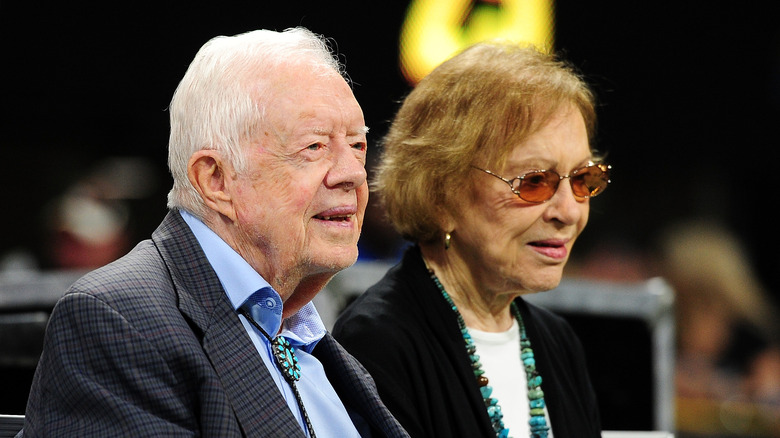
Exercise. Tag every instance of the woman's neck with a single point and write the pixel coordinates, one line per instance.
(482, 308)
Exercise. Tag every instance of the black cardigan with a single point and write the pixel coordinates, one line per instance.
(406, 335)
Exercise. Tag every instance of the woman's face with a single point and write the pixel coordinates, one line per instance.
(512, 246)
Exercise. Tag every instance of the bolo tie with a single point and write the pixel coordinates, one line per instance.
(284, 355)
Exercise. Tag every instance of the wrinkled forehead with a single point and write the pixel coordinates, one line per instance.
(288, 76)
(302, 101)
(514, 142)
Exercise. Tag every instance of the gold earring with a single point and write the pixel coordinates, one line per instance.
(447, 240)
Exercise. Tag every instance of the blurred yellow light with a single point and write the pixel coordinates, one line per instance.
(435, 30)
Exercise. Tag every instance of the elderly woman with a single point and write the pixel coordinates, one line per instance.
(488, 169)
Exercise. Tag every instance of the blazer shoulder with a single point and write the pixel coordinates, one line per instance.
(142, 269)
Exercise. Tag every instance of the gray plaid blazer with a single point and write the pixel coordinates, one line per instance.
(150, 346)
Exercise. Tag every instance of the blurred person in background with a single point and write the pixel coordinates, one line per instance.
(728, 335)
(85, 232)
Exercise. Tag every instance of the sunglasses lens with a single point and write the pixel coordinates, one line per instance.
(538, 186)
(590, 181)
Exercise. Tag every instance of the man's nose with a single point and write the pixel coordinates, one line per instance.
(349, 169)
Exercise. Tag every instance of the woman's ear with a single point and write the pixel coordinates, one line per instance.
(209, 174)
(445, 220)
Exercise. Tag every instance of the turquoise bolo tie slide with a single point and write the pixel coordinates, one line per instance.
(285, 358)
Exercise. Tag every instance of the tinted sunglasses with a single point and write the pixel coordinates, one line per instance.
(539, 186)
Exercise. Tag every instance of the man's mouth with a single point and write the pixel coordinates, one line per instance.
(337, 214)
(336, 218)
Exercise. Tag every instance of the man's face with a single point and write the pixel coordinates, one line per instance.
(300, 204)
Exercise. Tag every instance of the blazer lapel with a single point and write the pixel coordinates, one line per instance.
(356, 388)
(258, 406)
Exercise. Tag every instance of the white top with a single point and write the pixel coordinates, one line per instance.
(499, 354)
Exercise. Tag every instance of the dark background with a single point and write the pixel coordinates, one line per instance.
(689, 103)
(689, 97)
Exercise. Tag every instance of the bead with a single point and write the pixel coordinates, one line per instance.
(537, 421)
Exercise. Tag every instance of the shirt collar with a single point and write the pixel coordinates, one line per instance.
(240, 281)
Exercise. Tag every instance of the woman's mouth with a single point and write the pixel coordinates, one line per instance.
(553, 248)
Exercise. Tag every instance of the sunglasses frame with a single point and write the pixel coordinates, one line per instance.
(605, 169)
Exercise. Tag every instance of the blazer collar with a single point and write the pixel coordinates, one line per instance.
(203, 301)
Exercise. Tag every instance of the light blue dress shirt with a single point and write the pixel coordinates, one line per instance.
(304, 329)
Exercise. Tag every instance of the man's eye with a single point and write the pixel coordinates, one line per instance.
(359, 146)
(314, 146)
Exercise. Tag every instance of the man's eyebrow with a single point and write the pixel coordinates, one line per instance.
(363, 130)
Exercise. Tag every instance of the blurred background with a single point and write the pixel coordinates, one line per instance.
(689, 107)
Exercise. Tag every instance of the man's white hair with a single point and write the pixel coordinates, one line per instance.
(218, 102)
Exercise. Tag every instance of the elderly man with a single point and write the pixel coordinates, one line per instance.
(208, 328)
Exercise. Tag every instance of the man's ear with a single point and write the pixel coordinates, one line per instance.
(210, 175)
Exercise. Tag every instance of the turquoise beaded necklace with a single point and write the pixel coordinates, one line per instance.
(537, 422)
